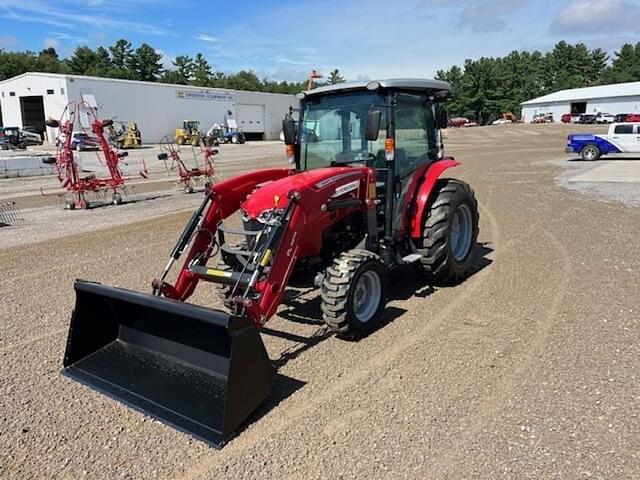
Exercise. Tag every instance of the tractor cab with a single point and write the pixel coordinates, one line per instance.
(391, 125)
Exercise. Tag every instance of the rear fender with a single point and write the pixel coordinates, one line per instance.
(434, 171)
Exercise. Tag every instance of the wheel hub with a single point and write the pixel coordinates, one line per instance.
(461, 232)
(366, 296)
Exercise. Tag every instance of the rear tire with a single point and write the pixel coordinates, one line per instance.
(450, 232)
(354, 293)
(590, 152)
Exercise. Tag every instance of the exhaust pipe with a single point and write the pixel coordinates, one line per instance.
(201, 370)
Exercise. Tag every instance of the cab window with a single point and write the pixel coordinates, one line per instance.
(623, 129)
(415, 133)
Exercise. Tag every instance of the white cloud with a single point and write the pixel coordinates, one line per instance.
(487, 16)
(593, 17)
(39, 11)
(208, 38)
(167, 60)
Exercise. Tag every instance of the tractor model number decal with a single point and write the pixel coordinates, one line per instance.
(330, 180)
(346, 188)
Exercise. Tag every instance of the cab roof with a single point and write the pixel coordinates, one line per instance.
(419, 85)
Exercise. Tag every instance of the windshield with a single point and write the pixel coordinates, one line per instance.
(332, 130)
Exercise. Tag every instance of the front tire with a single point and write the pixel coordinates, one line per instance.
(590, 152)
(450, 232)
(354, 293)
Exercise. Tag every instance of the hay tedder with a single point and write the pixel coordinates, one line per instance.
(188, 176)
(364, 195)
(72, 182)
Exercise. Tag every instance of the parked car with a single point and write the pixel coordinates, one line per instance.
(543, 118)
(31, 138)
(458, 121)
(633, 117)
(12, 138)
(501, 121)
(587, 118)
(605, 118)
(566, 118)
(621, 117)
(621, 138)
(84, 141)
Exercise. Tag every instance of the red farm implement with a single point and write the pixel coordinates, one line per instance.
(74, 185)
(189, 177)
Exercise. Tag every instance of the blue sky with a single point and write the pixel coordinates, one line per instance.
(285, 39)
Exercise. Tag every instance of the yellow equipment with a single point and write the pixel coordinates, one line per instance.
(189, 133)
(131, 137)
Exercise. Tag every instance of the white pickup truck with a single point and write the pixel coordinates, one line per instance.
(621, 138)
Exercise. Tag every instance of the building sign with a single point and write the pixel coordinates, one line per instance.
(204, 95)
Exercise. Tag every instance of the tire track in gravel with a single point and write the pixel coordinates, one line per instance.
(45, 336)
(307, 408)
(491, 404)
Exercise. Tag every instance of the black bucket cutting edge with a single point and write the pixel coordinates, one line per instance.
(200, 370)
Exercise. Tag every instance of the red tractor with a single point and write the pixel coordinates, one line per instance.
(364, 195)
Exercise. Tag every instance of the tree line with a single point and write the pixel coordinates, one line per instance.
(483, 89)
(486, 88)
(122, 60)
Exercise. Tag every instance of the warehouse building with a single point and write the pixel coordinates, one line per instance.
(31, 98)
(614, 99)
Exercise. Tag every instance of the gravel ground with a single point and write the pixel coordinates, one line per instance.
(528, 370)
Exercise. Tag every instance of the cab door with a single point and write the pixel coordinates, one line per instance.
(416, 145)
(627, 137)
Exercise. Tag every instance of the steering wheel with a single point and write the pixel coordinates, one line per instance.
(353, 156)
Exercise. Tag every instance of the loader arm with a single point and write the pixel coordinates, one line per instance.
(283, 260)
(222, 200)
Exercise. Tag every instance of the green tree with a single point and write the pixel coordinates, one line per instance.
(102, 65)
(121, 53)
(200, 72)
(625, 66)
(82, 61)
(335, 77)
(145, 64)
(245, 80)
(184, 68)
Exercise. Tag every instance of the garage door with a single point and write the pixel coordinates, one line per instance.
(250, 118)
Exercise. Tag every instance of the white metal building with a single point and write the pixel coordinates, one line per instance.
(29, 99)
(614, 99)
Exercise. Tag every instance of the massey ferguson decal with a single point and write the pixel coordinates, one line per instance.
(331, 180)
(346, 188)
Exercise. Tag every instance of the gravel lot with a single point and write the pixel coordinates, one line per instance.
(528, 370)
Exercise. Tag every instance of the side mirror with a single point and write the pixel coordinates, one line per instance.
(373, 125)
(442, 119)
(52, 123)
(289, 130)
(123, 154)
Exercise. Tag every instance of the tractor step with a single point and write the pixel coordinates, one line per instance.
(411, 258)
(232, 250)
(221, 276)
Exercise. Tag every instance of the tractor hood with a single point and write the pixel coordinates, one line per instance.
(324, 180)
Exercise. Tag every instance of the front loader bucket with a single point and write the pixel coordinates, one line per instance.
(201, 370)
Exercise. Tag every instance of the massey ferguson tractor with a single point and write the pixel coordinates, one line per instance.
(364, 194)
